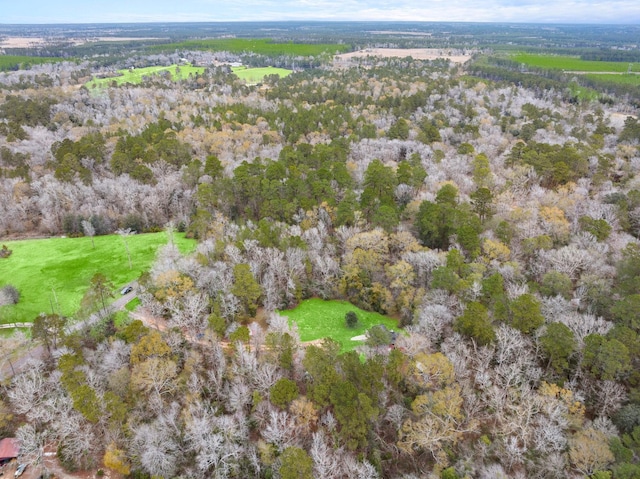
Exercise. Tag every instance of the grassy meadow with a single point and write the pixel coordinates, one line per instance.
(318, 319)
(15, 62)
(55, 272)
(255, 75)
(625, 79)
(261, 46)
(135, 75)
(567, 63)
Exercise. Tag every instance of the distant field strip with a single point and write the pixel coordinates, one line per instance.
(15, 62)
(135, 76)
(255, 75)
(574, 64)
(262, 46)
(625, 79)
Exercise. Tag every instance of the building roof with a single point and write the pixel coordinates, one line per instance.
(9, 448)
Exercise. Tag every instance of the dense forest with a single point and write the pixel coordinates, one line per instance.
(498, 221)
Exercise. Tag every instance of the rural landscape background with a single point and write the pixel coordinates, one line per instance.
(320, 250)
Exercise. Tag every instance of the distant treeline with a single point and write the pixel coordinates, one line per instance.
(500, 69)
(609, 55)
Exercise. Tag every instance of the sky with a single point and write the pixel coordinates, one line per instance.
(521, 11)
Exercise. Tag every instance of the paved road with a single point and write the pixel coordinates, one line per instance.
(12, 366)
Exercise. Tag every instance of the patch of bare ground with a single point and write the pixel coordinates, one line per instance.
(415, 53)
(33, 42)
(51, 464)
(23, 42)
(617, 119)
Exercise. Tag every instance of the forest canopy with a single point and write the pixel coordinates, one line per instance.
(491, 213)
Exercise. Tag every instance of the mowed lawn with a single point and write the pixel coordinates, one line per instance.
(255, 75)
(135, 75)
(319, 319)
(56, 272)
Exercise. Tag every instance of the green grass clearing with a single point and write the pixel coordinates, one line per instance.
(261, 46)
(256, 75)
(135, 75)
(582, 92)
(567, 63)
(132, 305)
(56, 271)
(121, 319)
(625, 79)
(319, 319)
(19, 62)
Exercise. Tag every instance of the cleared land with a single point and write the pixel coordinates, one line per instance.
(632, 79)
(14, 62)
(255, 75)
(135, 75)
(574, 64)
(416, 53)
(55, 273)
(319, 319)
(23, 42)
(261, 46)
(38, 42)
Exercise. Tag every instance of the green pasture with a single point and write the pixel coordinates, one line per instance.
(255, 75)
(17, 62)
(55, 273)
(567, 63)
(261, 46)
(624, 79)
(319, 319)
(135, 75)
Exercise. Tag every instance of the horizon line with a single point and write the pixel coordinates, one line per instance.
(164, 22)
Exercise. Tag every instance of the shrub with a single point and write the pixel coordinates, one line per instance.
(351, 319)
(379, 335)
(9, 295)
(5, 252)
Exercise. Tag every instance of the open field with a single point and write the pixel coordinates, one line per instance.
(13, 62)
(261, 46)
(255, 75)
(23, 42)
(416, 53)
(318, 319)
(55, 273)
(39, 42)
(136, 75)
(574, 64)
(624, 79)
